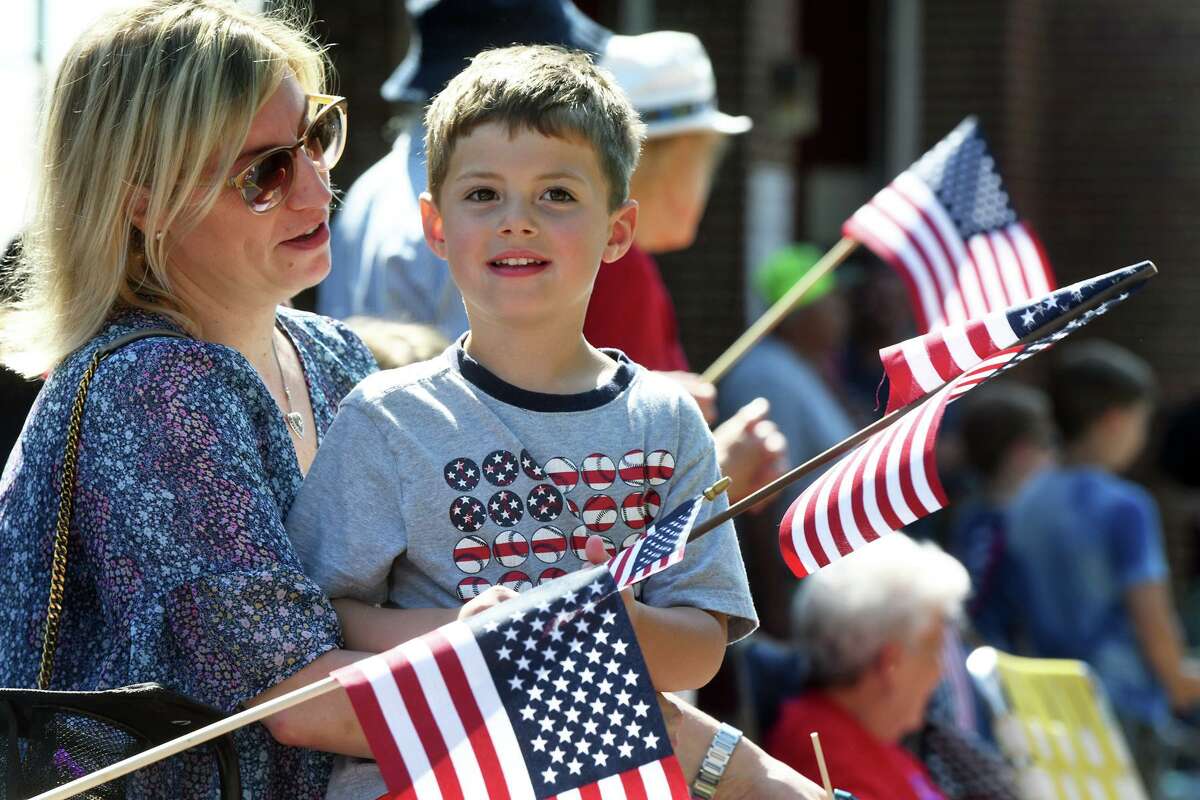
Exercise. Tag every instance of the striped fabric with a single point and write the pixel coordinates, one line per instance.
(922, 364)
(891, 479)
(544, 696)
(945, 224)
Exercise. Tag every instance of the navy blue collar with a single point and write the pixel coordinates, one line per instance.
(487, 381)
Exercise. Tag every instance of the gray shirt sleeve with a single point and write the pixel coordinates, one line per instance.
(711, 576)
(346, 523)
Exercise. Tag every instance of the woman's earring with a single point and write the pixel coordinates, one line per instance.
(158, 236)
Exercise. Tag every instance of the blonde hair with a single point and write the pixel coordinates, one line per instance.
(551, 90)
(146, 102)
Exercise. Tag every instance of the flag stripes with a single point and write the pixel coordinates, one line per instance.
(945, 225)
(889, 481)
(662, 546)
(924, 363)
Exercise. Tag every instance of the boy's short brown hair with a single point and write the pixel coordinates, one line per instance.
(552, 90)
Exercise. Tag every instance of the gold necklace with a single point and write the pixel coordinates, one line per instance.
(295, 422)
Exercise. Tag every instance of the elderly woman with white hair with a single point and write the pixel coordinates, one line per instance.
(873, 626)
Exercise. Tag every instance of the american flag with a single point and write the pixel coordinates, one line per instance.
(545, 696)
(946, 225)
(920, 365)
(891, 479)
(662, 546)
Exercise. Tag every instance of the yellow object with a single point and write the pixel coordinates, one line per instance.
(1053, 722)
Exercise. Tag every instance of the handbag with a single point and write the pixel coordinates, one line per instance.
(54, 737)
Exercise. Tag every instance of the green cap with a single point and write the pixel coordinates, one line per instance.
(787, 265)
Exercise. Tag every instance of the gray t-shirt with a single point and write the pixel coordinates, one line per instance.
(439, 479)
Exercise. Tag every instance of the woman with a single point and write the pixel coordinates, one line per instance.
(872, 627)
(186, 148)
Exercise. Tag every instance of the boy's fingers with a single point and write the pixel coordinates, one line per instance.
(594, 550)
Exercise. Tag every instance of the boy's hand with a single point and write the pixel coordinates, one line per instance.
(751, 450)
(703, 392)
(490, 598)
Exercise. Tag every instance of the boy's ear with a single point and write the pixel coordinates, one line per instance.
(621, 229)
(431, 222)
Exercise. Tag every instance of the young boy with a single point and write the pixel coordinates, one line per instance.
(1085, 545)
(492, 464)
(1008, 437)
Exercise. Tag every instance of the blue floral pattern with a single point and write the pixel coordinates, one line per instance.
(180, 570)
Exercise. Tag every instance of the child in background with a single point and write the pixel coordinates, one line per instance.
(1085, 546)
(1008, 437)
(491, 465)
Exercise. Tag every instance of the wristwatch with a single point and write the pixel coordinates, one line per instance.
(715, 761)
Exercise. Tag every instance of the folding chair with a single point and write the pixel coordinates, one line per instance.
(1053, 721)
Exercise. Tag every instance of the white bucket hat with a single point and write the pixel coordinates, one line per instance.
(669, 80)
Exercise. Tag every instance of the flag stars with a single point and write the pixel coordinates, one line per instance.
(609, 738)
(626, 750)
(574, 767)
(572, 715)
(612, 665)
(546, 724)
(601, 758)
(539, 744)
(549, 775)
(593, 656)
(605, 686)
(651, 740)
(516, 684)
(561, 684)
(615, 718)
(631, 678)
(564, 735)
(543, 674)
(522, 664)
(623, 698)
(1027, 319)
(590, 727)
(528, 713)
(640, 708)
(608, 618)
(620, 647)
(557, 755)
(530, 642)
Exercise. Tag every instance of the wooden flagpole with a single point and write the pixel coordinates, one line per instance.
(175, 746)
(854, 440)
(816, 743)
(775, 314)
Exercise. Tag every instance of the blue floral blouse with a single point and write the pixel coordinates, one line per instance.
(179, 568)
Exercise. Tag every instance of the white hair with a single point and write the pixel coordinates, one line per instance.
(889, 591)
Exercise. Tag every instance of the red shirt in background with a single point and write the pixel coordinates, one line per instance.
(631, 310)
(857, 761)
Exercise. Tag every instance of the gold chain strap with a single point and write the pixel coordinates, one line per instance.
(66, 498)
(66, 492)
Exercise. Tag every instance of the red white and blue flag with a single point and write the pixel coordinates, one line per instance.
(920, 365)
(661, 546)
(891, 479)
(947, 227)
(545, 696)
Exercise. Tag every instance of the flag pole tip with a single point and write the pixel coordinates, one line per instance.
(718, 488)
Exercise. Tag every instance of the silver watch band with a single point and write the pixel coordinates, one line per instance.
(715, 761)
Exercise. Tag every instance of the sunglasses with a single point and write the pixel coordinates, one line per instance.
(266, 181)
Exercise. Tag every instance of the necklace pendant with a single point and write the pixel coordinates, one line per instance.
(296, 423)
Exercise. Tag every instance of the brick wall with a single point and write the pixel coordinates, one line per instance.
(1093, 109)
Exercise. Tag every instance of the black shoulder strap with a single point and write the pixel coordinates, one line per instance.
(130, 338)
